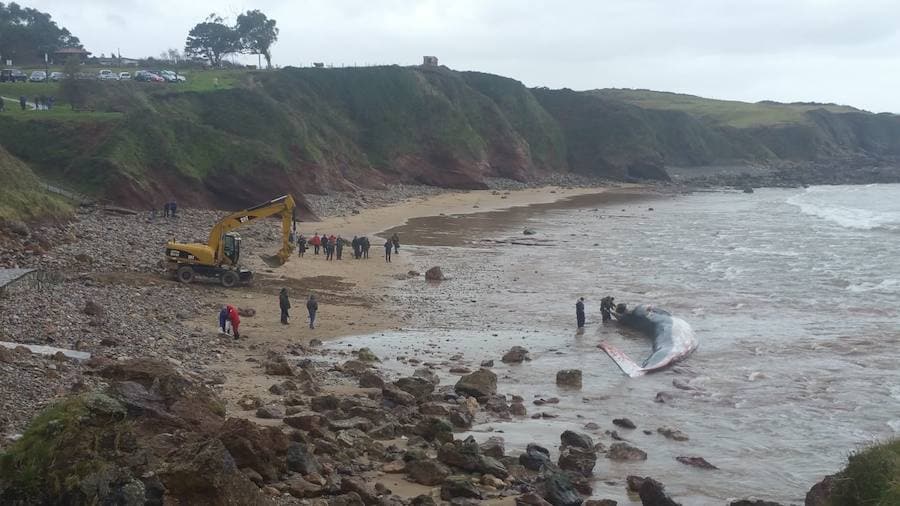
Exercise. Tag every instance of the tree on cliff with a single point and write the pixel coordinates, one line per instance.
(26, 34)
(212, 40)
(73, 90)
(257, 33)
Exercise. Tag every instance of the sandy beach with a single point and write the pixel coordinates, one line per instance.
(351, 293)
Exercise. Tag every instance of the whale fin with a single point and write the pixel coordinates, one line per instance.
(628, 366)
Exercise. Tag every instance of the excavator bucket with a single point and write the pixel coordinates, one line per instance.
(276, 260)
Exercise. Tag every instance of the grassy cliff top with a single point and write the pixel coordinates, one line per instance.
(731, 113)
(22, 195)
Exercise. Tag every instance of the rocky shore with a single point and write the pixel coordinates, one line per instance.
(152, 413)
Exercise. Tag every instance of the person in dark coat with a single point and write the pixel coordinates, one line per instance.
(365, 247)
(395, 239)
(312, 306)
(579, 312)
(301, 245)
(606, 306)
(355, 244)
(223, 318)
(23, 102)
(338, 247)
(388, 245)
(285, 303)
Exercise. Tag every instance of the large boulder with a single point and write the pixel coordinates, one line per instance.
(493, 447)
(515, 355)
(577, 460)
(395, 395)
(205, 473)
(459, 487)
(535, 457)
(570, 378)
(559, 490)
(466, 455)
(481, 383)
(434, 274)
(576, 439)
(300, 460)
(820, 493)
(653, 493)
(428, 472)
(435, 429)
(417, 387)
(262, 449)
(624, 451)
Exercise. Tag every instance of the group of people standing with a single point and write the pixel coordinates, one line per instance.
(312, 307)
(607, 306)
(333, 246)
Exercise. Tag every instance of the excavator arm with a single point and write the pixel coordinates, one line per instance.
(283, 205)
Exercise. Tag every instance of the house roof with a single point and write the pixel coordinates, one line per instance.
(72, 50)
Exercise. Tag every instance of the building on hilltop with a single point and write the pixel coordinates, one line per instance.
(430, 61)
(63, 54)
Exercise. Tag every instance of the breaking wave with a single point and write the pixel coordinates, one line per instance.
(862, 207)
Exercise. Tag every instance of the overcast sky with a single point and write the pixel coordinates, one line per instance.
(839, 51)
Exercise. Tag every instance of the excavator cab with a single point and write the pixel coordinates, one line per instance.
(231, 247)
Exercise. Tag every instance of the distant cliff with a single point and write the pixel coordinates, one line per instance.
(317, 130)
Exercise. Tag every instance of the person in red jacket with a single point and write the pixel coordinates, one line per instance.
(235, 320)
(316, 242)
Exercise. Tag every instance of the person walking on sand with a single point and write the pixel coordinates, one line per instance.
(395, 239)
(365, 247)
(579, 312)
(285, 303)
(316, 242)
(388, 245)
(338, 247)
(355, 244)
(312, 306)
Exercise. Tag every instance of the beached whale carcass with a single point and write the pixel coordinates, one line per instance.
(673, 339)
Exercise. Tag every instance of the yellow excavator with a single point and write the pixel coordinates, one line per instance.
(220, 257)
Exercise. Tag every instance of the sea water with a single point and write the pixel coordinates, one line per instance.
(794, 295)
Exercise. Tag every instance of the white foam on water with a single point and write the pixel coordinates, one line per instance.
(847, 207)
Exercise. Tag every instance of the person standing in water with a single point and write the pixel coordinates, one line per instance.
(285, 303)
(606, 306)
(579, 312)
(312, 306)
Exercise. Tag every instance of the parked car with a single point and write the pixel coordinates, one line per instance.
(171, 77)
(38, 76)
(107, 75)
(12, 75)
(57, 76)
(148, 77)
(124, 76)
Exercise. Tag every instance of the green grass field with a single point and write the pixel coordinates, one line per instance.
(724, 112)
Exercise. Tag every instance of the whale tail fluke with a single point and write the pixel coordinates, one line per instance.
(628, 366)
